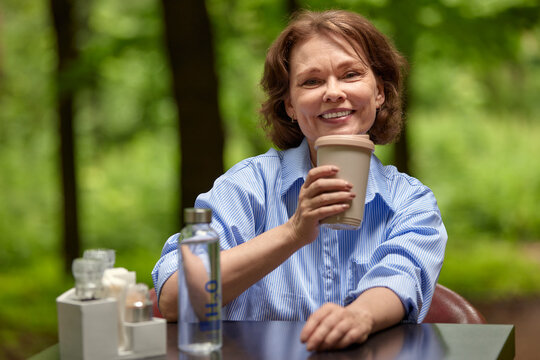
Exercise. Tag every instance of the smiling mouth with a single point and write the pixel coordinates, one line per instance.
(337, 114)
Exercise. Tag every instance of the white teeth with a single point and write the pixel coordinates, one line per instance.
(336, 114)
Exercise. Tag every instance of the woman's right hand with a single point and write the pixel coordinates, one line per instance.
(321, 196)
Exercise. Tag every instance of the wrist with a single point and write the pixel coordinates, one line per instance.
(380, 306)
(294, 234)
(362, 315)
(290, 235)
(302, 231)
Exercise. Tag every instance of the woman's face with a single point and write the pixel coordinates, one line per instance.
(331, 89)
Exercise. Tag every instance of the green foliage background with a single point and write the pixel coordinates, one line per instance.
(473, 129)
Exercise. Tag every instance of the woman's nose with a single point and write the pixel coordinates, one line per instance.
(333, 91)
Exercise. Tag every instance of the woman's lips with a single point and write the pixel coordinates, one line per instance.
(336, 114)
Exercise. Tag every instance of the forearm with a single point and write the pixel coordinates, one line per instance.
(245, 264)
(241, 267)
(383, 306)
(168, 299)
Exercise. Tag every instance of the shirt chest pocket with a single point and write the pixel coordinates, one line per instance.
(356, 270)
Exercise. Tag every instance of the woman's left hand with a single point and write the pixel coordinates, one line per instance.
(335, 327)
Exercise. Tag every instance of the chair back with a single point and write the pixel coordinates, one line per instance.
(447, 306)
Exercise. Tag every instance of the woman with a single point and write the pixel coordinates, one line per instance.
(327, 73)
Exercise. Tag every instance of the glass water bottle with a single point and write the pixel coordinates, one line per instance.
(199, 284)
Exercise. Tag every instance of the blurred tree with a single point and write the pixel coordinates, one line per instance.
(292, 6)
(191, 55)
(65, 31)
(404, 22)
(1, 54)
(450, 27)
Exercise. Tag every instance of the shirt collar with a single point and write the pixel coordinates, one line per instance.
(378, 183)
(296, 163)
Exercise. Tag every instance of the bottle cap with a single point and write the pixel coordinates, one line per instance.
(197, 215)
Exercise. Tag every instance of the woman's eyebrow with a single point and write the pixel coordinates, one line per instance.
(352, 63)
(313, 70)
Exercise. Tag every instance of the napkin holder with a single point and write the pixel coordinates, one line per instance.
(88, 330)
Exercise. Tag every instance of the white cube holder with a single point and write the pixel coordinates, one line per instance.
(88, 330)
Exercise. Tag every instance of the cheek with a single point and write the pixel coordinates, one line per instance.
(306, 100)
(366, 94)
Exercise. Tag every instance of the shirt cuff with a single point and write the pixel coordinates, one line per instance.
(166, 265)
(401, 285)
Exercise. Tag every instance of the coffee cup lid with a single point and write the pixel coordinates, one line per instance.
(349, 140)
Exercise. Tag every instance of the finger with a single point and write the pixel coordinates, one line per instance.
(324, 322)
(334, 337)
(326, 211)
(325, 185)
(354, 336)
(319, 213)
(327, 204)
(325, 198)
(316, 340)
(313, 321)
(332, 198)
(320, 172)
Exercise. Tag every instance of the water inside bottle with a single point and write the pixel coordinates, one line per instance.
(199, 294)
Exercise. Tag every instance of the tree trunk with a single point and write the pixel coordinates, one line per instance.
(64, 25)
(191, 54)
(292, 6)
(1, 48)
(401, 147)
(406, 31)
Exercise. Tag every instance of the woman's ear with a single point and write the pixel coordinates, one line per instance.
(380, 98)
(289, 108)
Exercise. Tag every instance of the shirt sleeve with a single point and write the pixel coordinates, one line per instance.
(167, 263)
(410, 259)
(238, 210)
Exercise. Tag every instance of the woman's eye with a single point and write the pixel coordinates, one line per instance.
(351, 75)
(311, 82)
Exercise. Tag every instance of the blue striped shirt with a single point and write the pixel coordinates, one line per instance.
(400, 244)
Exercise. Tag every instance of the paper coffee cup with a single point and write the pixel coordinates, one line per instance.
(352, 154)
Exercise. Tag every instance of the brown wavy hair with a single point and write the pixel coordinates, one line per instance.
(385, 61)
